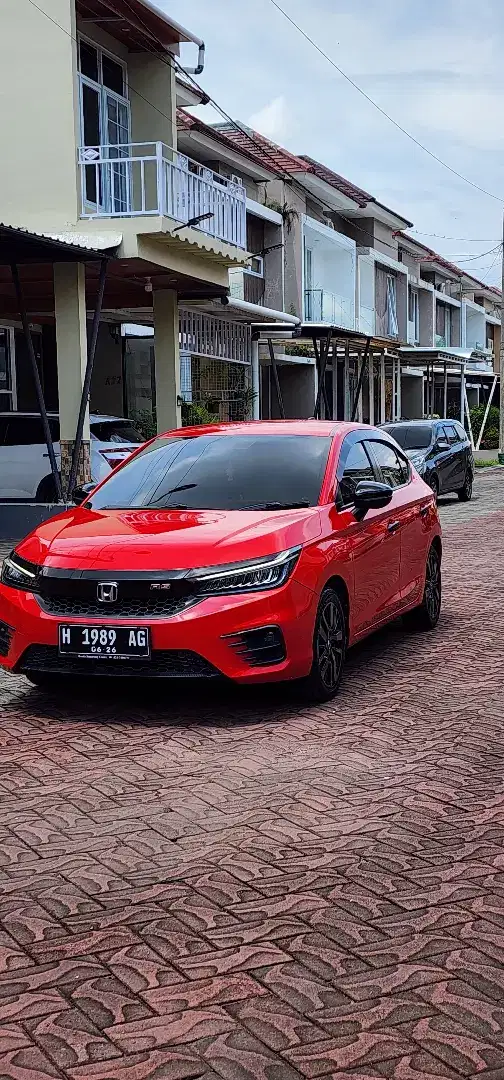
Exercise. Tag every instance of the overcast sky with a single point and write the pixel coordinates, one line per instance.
(436, 67)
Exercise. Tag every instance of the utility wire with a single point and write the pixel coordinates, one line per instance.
(259, 146)
(380, 109)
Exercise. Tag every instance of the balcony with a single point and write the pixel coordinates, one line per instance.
(321, 306)
(151, 179)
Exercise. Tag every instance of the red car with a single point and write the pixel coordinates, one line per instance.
(258, 551)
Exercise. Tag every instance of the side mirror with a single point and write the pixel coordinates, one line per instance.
(442, 444)
(80, 494)
(371, 496)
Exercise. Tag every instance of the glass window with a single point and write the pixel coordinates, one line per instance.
(24, 431)
(3, 427)
(357, 467)
(220, 472)
(394, 471)
(410, 436)
(450, 433)
(89, 65)
(113, 75)
(116, 431)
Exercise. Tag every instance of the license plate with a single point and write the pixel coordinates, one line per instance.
(105, 642)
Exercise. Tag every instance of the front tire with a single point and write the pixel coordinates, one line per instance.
(329, 649)
(465, 493)
(426, 616)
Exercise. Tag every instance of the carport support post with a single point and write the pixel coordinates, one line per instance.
(276, 379)
(445, 389)
(358, 388)
(38, 385)
(71, 351)
(167, 359)
(86, 389)
(462, 394)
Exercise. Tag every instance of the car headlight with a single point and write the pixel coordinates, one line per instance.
(269, 573)
(18, 573)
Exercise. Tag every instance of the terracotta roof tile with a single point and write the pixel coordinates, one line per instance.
(335, 180)
(186, 122)
(272, 156)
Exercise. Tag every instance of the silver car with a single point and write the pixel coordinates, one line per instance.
(25, 472)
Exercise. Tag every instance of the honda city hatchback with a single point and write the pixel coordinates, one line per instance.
(256, 551)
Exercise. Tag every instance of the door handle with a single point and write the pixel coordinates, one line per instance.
(393, 526)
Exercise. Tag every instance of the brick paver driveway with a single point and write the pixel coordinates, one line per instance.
(234, 887)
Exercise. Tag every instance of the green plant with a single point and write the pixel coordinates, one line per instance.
(145, 421)
(196, 415)
(490, 440)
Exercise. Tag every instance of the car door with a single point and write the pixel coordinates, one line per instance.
(414, 510)
(373, 547)
(443, 459)
(23, 458)
(457, 458)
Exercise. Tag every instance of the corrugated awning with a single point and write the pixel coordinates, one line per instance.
(18, 245)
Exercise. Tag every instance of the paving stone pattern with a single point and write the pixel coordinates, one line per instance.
(234, 887)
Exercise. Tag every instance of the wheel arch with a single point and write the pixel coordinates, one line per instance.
(341, 588)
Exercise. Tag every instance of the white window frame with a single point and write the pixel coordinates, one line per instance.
(11, 346)
(103, 91)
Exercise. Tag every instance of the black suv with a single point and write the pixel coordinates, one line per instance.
(440, 451)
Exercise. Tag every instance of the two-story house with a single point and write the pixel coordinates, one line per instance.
(94, 84)
(341, 269)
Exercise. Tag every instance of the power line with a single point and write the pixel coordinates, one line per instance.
(259, 146)
(380, 109)
(460, 239)
(473, 258)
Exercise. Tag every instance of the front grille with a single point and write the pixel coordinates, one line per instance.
(6, 633)
(259, 648)
(164, 664)
(151, 607)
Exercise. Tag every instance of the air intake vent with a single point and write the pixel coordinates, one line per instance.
(259, 648)
(6, 633)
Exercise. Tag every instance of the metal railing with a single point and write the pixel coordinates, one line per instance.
(142, 179)
(326, 307)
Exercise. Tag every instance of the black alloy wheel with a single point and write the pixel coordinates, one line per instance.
(426, 615)
(465, 493)
(329, 648)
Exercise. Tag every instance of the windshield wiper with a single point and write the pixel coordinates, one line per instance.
(277, 505)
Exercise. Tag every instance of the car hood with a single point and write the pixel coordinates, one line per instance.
(412, 454)
(166, 539)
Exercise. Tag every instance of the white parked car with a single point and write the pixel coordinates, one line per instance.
(25, 471)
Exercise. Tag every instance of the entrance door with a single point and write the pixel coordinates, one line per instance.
(105, 130)
(116, 124)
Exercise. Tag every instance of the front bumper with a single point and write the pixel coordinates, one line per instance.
(198, 642)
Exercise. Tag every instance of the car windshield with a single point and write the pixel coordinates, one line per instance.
(411, 436)
(219, 472)
(115, 431)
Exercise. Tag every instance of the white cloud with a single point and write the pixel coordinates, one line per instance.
(272, 120)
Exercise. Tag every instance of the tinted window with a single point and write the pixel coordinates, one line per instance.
(394, 471)
(88, 61)
(220, 472)
(461, 432)
(357, 467)
(24, 431)
(116, 431)
(411, 436)
(3, 430)
(450, 433)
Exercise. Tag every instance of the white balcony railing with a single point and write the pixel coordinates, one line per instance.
(141, 179)
(325, 307)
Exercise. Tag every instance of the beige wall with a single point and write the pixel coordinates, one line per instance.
(38, 179)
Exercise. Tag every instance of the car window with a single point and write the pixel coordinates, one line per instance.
(220, 472)
(54, 428)
(461, 432)
(3, 430)
(116, 431)
(394, 470)
(357, 467)
(24, 431)
(410, 436)
(450, 433)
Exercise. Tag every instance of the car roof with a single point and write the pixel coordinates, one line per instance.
(273, 427)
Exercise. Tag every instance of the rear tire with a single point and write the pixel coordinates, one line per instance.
(426, 616)
(46, 492)
(465, 493)
(329, 649)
